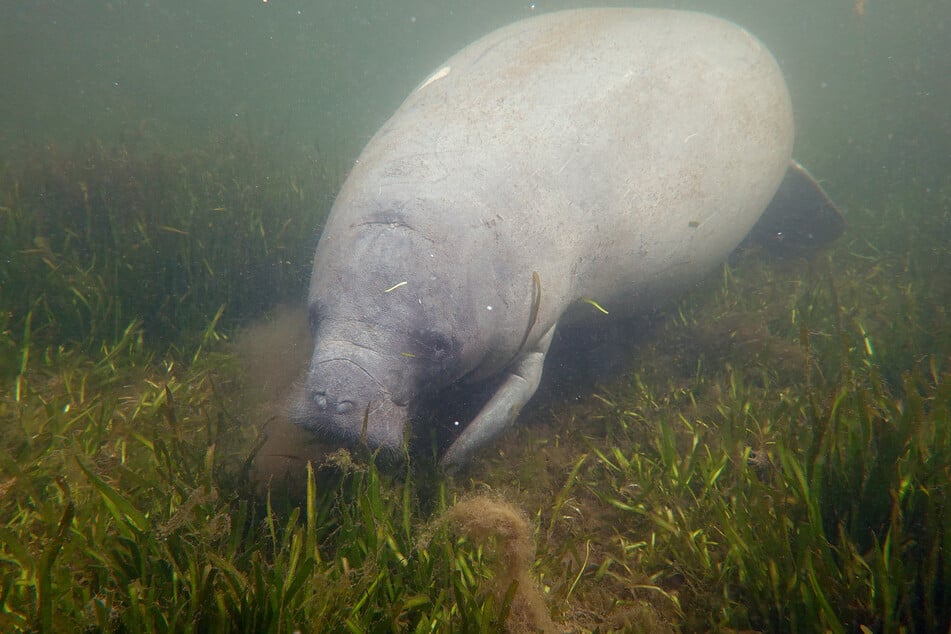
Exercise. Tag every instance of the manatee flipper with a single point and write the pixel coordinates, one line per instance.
(801, 217)
(503, 406)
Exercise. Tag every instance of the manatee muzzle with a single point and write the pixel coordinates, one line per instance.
(341, 400)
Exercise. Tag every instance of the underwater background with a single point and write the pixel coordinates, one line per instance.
(775, 457)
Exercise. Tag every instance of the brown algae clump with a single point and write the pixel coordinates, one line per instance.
(486, 520)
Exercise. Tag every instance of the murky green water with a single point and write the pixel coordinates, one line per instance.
(870, 90)
(774, 457)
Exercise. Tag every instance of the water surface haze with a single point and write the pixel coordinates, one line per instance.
(868, 79)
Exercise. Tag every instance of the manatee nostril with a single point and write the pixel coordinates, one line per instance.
(320, 400)
(326, 403)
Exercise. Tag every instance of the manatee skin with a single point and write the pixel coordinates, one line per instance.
(612, 155)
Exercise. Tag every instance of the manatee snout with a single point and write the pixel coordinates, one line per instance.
(341, 400)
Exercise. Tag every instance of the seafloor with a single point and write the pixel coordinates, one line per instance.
(773, 454)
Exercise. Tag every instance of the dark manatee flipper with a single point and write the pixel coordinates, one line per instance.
(800, 219)
(503, 407)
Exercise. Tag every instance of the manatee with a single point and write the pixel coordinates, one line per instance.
(566, 169)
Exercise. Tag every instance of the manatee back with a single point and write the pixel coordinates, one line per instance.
(614, 152)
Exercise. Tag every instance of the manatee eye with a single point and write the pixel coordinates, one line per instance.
(435, 347)
(313, 318)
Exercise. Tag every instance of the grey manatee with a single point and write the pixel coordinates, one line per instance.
(566, 166)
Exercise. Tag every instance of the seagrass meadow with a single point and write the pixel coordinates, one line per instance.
(775, 458)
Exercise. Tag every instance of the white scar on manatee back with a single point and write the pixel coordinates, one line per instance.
(439, 74)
